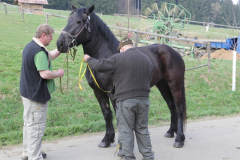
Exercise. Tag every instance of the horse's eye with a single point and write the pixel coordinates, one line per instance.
(79, 22)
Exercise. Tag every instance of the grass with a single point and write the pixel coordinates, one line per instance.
(76, 112)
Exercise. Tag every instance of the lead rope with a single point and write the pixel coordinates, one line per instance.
(117, 149)
(80, 87)
(80, 70)
(73, 55)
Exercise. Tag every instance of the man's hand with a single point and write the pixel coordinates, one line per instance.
(60, 73)
(54, 54)
(86, 56)
(47, 74)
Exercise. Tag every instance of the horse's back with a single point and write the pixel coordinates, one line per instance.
(163, 54)
(167, 62)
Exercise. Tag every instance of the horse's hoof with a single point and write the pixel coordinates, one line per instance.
(103, 145)
(178, 144)
(169, 135)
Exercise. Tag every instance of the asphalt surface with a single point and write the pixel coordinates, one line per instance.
(217, 139)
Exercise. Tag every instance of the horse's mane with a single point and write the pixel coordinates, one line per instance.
(106, 32)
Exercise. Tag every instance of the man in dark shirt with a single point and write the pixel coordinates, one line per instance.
(132, 74)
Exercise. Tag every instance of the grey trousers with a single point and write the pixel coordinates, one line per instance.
(34, 116)
(132, 115)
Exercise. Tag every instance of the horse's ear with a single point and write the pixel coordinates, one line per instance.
(90, 10)
(73, 7)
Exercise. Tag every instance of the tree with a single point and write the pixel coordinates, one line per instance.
(216, 12)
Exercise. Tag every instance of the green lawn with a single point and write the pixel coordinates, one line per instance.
(76, 112)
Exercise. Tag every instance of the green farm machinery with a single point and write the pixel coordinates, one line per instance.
(169, 20)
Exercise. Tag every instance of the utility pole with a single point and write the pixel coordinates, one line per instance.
(138, 8)
(128, 14)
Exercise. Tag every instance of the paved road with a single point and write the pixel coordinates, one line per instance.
(217, 139)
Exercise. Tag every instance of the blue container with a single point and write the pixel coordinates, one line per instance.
(218, 45)
(238, 45)
(230, 43)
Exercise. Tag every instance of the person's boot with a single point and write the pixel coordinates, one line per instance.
(44, 155)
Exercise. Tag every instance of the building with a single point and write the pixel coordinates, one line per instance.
(31, 6)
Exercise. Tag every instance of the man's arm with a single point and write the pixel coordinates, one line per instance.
(54, 54)
(108, 65)
(47, 74)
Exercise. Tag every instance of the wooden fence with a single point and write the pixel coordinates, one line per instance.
(190, 21)
(207, 43)
(136, 32)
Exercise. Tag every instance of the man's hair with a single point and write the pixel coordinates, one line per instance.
(43, 28)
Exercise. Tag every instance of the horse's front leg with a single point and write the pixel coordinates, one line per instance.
(103, 100)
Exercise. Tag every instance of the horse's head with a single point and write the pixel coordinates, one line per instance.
(77, 30)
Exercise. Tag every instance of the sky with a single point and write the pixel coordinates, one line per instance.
(235, 1)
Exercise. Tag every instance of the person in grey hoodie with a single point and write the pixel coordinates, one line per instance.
(132, 74)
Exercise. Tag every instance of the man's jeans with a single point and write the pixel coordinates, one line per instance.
(34, 116)
(132, 115)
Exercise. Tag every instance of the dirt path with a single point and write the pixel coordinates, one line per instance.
(205, 140)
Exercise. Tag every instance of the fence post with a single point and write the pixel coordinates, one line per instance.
(5, 7)
(47, 18)
(101, 15)
(234, 72)
(207, 27)
(209, 57)
(22, 14)
(136, 39)
(114, 16)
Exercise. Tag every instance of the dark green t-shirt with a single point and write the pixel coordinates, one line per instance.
(41, 62)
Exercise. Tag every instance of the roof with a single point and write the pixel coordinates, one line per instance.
(33, 1)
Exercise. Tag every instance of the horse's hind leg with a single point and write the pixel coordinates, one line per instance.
(167, 95)
(103, 100)
(178, 93)
(179, 99)
(173, 92)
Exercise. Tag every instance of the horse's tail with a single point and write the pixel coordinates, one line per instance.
(184, 106)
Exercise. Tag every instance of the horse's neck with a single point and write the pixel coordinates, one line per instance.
(98, 47)
(103, 43)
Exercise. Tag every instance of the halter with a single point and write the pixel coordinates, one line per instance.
(74, 42)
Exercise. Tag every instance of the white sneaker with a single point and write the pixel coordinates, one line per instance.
(25, 157)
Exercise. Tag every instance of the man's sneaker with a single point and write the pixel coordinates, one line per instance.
(119, 154)
(24, 157)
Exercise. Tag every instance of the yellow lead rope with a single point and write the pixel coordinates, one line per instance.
(117, 149)
(80, 87)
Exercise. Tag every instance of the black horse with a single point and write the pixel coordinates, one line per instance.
(86, 28)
